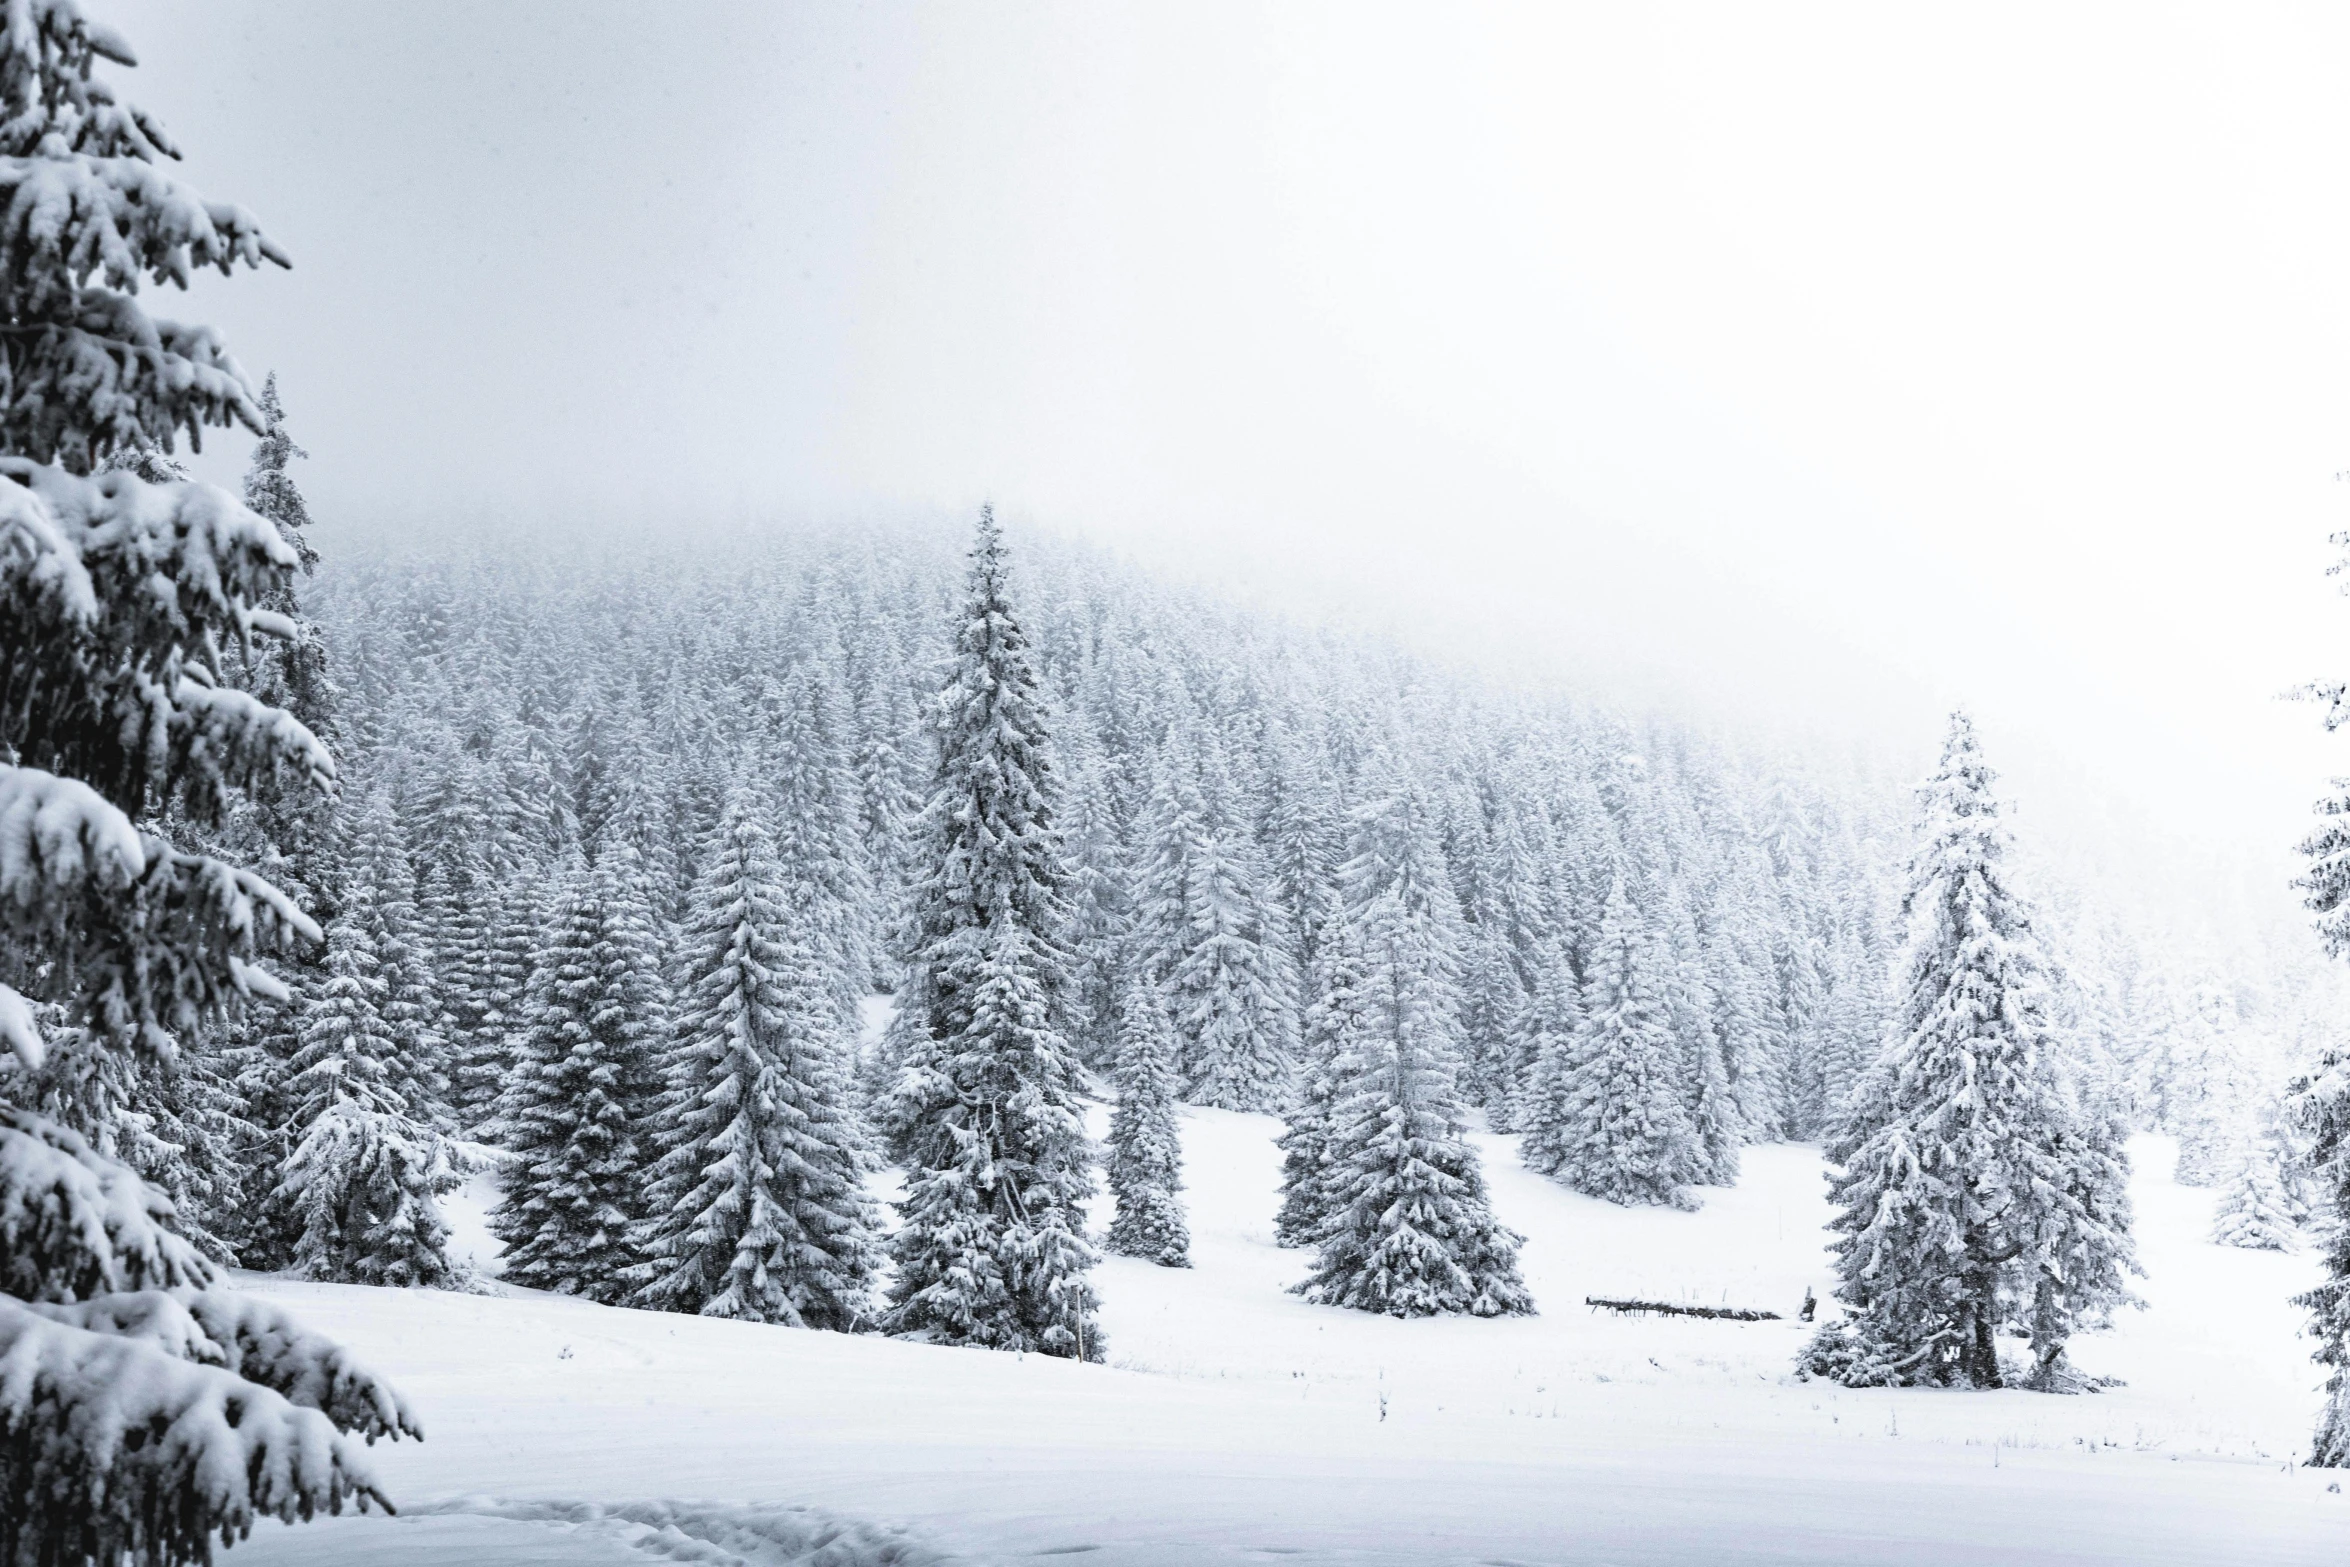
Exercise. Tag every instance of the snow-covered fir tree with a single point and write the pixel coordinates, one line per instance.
(1206, 925)
(2253, 1210)
(2324, 1099)
(815, 813)
(1100, 936)
(1608, 1114)
(1410, 1232)
(991, 1249)
(1232, 989)
(2208, 1083)
(126, 747)
(360, 1184)
(1976, 1194)
(1146, 1146)
(583, 1086)
(756, 1208)
(1332, 1031)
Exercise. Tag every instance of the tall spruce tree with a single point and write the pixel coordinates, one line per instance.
(1146, 1145)
(360, 1182)
(2253, 1211)
(756, 1208)
(1232, 988)
(1332, 1032)
(2323, 1097)
(575, 1107)
(1608, 1116)
(991, 1249)
(125, 746)
(1410, 1231)
(1976, 1194)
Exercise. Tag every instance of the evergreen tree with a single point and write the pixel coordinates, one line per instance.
(298, 678)
(515, 919)
(1543, 1031)
(2324, 1096)
(1975, 1192)
(126, 749)
(1332, 1033)
(756, 1207)
(1100, 940)
(359, 1183)
(1146, 1147)
(362, 1184)
(1715, 1133)
(575, 1107)
(1608, 1116)
(2253, 1211)
(814, 827)
(2208, 1088)
(992, 1248)
(1232, 989)
(1410, 1232)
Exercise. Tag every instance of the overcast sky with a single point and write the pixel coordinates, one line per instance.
(1837, 364)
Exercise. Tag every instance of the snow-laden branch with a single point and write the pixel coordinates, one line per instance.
(254, 1339)
(58, 834)
(74, 1225)
(135, 1454)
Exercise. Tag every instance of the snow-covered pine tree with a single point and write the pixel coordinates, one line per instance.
(1608, 1117)
(1301, 844)
(756, 1208)
(459, 907)
(124, 1431)
(1542, 1031)
(515, 919)
(417, 1063)
(2323, 1098)
(362, 1185)
(1715, 1132)
(815, 818)
(300, 668)
(1331, 1032)
(2253, 1211)
(2208, 1087)
(359, 1183)
(1233, 989)
(992, 1248)
(1410, 1231)
(1975, 1193)
(1100, 940)
(1146, 1146)
(582, 1087)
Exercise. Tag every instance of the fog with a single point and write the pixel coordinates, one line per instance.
(1812, 366)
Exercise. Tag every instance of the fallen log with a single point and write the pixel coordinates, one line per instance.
(1625, 1308)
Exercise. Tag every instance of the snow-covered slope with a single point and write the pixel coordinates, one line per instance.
(1235, 1423)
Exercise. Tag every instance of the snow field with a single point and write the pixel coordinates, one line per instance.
(1235, 1423)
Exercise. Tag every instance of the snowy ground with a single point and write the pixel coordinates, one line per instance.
(1237, 1424)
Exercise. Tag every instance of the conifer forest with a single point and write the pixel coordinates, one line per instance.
(569, 993)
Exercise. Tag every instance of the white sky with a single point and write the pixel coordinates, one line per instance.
(1839, 364)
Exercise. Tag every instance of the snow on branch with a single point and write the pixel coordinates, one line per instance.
(18, 1031)
(128, 1453)
(58, 835)
(180, 568)
(142, 957)
(39, 560)
(253, 1339)
(74, 1224)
